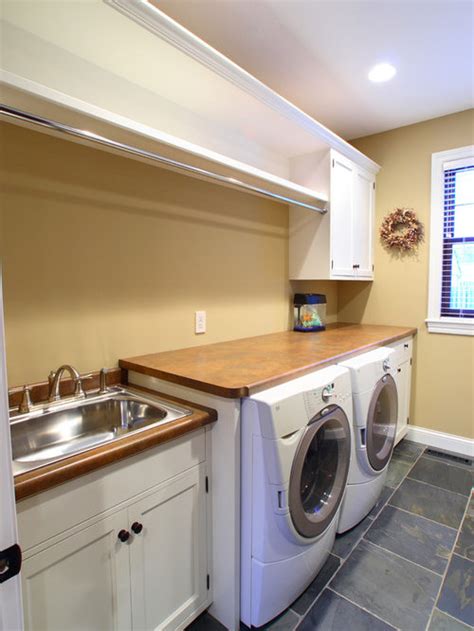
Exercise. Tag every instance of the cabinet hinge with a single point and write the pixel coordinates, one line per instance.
(373, 185)
(208, 581)
(332, 264)
(333, 163)
(207, 484)
(408, 419)
(411, 361)
(373, 267)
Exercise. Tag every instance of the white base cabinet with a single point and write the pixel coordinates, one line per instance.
(82, 582)
(143, 564)
(403, 359)
(339, 244)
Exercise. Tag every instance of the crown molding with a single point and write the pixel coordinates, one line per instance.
(157, 22)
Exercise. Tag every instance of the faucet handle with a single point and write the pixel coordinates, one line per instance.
(103, 380)
(78, 390)
(25, 404)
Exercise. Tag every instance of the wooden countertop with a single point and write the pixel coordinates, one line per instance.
(33, 482)
(242, 367)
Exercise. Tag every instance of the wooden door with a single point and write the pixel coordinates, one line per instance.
(362, 223)
(341, 212)
(10, 589)
(403, 380)
(169, 558)
(82, 582)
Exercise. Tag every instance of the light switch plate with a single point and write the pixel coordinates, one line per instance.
(200, 322)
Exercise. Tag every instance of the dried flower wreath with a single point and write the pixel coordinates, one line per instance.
(402, 230)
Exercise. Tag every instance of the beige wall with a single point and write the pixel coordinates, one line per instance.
(105, 257)
(443, 385)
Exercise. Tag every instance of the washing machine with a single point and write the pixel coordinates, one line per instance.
(375, 410)
(296, 447)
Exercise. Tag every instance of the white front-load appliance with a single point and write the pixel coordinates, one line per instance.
(296, 445)
(375, 409)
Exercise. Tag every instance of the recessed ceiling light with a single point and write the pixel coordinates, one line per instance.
(382, 72)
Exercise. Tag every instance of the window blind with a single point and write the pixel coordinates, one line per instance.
(457, 290)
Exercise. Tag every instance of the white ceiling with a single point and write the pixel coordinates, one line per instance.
(317, 53)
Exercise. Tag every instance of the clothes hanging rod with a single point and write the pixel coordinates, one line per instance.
(16, 114)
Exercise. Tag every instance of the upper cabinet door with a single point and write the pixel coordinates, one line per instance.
(341, 209)
(362, 223)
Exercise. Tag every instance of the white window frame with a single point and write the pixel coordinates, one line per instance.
(439, 163)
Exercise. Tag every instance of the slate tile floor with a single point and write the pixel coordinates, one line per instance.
(409, 565)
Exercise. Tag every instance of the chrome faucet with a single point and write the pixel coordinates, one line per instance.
(56, 379)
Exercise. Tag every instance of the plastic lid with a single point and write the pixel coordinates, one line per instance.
(309, 299)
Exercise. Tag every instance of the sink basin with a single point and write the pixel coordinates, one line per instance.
(53, 433)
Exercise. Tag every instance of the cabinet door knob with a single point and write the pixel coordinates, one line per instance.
(137, 527)
(124, 535)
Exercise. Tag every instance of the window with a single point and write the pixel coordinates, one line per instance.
(451, 295)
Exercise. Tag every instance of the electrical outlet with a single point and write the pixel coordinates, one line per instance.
(200, 322)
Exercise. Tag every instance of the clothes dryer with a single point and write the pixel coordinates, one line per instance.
(375, 409)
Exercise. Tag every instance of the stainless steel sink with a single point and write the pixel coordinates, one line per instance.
(57, 431)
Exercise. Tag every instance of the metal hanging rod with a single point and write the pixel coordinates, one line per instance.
(39, 121)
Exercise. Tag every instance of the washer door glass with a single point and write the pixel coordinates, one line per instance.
(319, 472)
(382, 422)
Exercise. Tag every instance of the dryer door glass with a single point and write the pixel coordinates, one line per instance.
(382, 423)
(319, 472)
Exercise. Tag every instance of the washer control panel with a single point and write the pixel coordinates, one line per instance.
(316, 399)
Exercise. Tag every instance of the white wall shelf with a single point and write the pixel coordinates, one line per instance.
(147, 82)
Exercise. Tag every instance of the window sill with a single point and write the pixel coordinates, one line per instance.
(452, 326)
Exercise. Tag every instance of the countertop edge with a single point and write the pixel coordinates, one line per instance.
(44, 478)
(246, 390)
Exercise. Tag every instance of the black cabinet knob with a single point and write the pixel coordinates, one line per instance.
(124, 536)
(137, 527)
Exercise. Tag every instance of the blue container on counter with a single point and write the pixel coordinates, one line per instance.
(309, 312)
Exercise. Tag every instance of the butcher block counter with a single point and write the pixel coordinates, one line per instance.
(240, 368)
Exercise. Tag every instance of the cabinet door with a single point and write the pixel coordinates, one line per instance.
(404, 389)
(341, 211)
(362, 223)
(82, 582)
(169, 563)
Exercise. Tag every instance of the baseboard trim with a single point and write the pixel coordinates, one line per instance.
(446, 442)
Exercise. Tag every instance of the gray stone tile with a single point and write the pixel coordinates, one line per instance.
(384, 496)
(460, 461)
(457, 593)
(414, 538)
(205, 622)
(307, 598)
(286, 621)
(443, 474)
(397, 471)
(346, 542)
(408, 450)
(465, 542)
(429, 501)
(388, 586)
(331, 612)
(441, 622)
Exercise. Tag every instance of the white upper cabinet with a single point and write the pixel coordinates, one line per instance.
(124, 70)
(339, 244)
